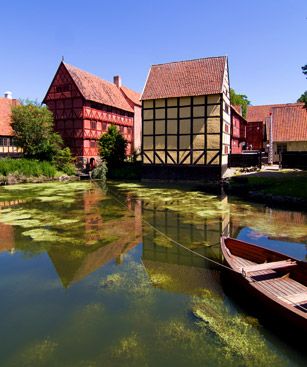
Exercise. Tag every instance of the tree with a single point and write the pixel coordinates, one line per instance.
(113, 147)
(33, 130)
(303, 98)
(239, 99)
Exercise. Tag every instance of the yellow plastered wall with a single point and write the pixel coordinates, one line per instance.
(165, 118)
(300, 146)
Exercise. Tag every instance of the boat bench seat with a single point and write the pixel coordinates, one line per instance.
(268, 266)
(295, 298)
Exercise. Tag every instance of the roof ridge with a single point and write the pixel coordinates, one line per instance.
(199, 58)
(97, 89)
(91, 74)
(276, 104)
(299, 104)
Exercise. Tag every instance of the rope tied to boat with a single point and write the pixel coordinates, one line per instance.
(228, 268)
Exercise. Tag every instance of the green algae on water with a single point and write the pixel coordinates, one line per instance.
(237, 334)
(163, 241)
(38, 353)
(130, 351)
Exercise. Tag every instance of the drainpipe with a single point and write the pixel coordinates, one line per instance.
(271, 152)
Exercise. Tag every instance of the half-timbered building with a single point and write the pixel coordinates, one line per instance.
(7, 142)
(84, 105)
(238, 130)
(186, 120)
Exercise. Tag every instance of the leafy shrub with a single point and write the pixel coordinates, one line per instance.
(26, 167)
(69, 169)
(113, 147)
(100, 172)
(64, 161)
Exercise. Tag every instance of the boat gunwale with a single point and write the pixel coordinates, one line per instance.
(228, 257)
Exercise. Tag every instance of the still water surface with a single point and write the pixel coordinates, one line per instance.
(86, 281)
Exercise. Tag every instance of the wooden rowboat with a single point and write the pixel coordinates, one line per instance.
(278, 281)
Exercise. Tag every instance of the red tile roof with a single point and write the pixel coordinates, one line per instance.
(237, 108)
(185, 78)
(259, 113)
(98, 90)
(289, 123)
(6, 105)
(132, 95)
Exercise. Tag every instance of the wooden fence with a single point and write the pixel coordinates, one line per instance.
(294, 160)
(248, 159)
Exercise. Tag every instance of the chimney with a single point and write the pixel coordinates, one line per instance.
(117, 80)
(8, 95)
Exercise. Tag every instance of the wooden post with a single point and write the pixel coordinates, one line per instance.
(271, 152)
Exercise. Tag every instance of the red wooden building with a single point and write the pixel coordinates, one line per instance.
(255, 131)
(85, 105)
(237, 130)
(257, 118)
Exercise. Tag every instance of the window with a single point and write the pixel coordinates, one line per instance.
(93, 143)
(104, 126)
(94, 125)
(121, 129)
(225, 149)
(129, 130)
(5, 141)
(226, 108)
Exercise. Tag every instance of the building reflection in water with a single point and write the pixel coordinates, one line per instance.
(186, 272)
(105, 218)
(109, 232)
(7, 236)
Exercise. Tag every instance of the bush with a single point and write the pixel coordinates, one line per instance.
(100, 172)
(69, 169)
(113, 147)
(26, 167)
(63, 161)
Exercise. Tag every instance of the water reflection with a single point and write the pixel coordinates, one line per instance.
(82, 230)
(109, 232)
(137, 298)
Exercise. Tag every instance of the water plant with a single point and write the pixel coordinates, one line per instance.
(37, 353)
(236, 333)
(130, 350)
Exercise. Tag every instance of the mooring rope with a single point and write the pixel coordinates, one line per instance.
(205, 257)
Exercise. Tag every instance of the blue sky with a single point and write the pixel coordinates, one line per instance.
(266, 42)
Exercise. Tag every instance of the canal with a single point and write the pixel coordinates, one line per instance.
(91, 276)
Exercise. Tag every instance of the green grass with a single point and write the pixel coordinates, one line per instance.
(26, 167)
(292, 184)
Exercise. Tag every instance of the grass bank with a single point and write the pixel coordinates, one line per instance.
(272, 187)
(20, 170)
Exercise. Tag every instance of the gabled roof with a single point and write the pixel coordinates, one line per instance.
(259, 113)
(185, 78)
(237, 108)
(132, 95)
(289, 123)
(98, 90)
(6, 105)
